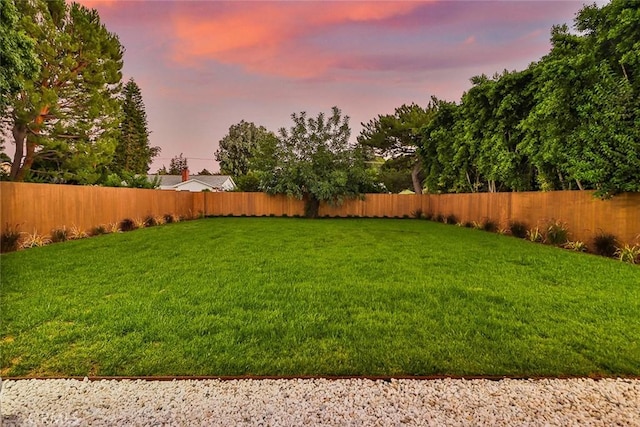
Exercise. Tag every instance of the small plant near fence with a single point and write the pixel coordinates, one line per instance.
(59, 235)
(628, 253)
(451, 219)
(534, 235)
(127, 224)
(605, 244)
(76, 233)
(417, 214)
(518, 229)
(10, 239)
(557, 233)
(576, 246)
(490, 225)
(150, 221)
(99, 230)
(34, 240)
(168, 219)
(439, 218)
(140, 223)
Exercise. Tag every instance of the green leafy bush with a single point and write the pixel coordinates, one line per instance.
(605, 244)
(518, 229)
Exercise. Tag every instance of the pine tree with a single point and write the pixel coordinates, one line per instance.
(133, 153)
(69, 112)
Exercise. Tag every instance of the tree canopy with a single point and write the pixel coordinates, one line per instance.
(68, 114)
(570, 120)
(314, 160)
(238, 148)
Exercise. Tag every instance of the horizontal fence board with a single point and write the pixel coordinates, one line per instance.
(40, 208)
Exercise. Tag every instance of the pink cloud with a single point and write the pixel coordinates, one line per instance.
(271, 38)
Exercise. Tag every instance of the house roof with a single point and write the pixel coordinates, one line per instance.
(214, 181)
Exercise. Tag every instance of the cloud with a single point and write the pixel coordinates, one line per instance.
(272, 38)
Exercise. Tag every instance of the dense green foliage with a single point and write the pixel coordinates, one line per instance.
(67, 116)
(133, 154)
(238, 148)
(17, 53)
(313, 160)
(277, 296)
(396, 137)
(570, 120)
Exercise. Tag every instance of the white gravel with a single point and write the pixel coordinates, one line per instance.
(325, 402)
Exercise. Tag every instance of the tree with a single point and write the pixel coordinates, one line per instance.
(314, 161)
(17, 53)
(177, 165)
(398, 135)
(204, 172)
(237, 148)
(133, 153)
(70, 110)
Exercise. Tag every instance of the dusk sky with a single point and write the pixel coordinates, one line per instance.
(203, 66)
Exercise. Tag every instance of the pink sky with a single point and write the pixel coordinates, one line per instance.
(203, 66)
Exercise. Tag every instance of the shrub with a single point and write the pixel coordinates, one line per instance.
(451, 219)
(627, 253)
(518, 229)
(490, 225)
(468, 224)
(168, 218)
(428, 216)
(127, 225)
(557, 233)
(605, 244)
(417, 214)
(113, 228)
(59, 235)
(439, 218)
(139, 223)
(150, 221)
(9, 239)
(99, 230)
(577, 246)
(535, 235)
(34, 240)
(76, 233)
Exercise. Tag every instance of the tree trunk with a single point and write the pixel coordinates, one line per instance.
(21, 170)
(417, 185)
(19, 136)
(311, 206)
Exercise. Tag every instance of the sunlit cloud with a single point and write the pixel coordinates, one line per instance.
(272, 38)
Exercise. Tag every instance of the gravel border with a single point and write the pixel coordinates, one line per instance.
(326, 402)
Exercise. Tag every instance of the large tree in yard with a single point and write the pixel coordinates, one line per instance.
(398, 135)
(314, 161)
(70, 110)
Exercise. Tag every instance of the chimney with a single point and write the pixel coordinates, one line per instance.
(185, 175)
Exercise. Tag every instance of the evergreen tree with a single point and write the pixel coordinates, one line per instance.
(177, 165)
(133, 153)
(70, 110)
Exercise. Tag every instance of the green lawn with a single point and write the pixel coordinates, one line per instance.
(285, 296)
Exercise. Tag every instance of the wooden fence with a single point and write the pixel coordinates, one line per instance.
(41, 208)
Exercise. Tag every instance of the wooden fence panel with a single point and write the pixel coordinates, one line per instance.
(42, 207)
